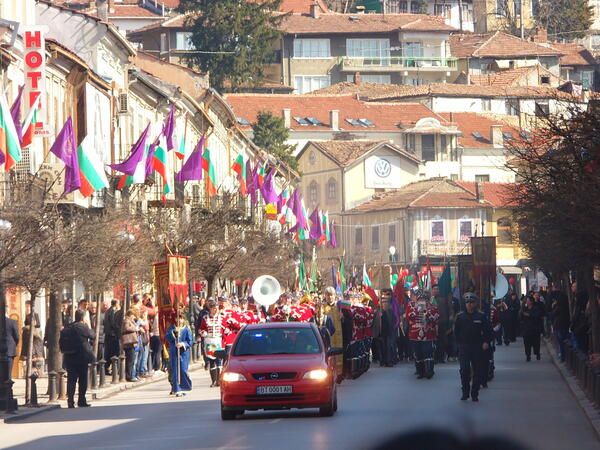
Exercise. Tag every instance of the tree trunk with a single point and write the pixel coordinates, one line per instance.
(97, 325)
(210, 282)
(29, 366)
(594, 310)
(53, 333)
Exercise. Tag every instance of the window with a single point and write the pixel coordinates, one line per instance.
(504, 231)
(313, 192)
(442, 10)
(542, 109)
(486, 104)
(415, 8)
(501, 7)
(443, 143)
(331, 191)
(428, 147)
(454, 176)
(535, 8)
(163, 42)
(372, 78)
(358, 237)
(311, 48)
(277, 341)
(411, 142)
(392, 233)
(545, 80)
(587, 79)
(482, 178)
(369, 48)
(312, 157)
(308, 83)
(465, 229)
(183, 41)
(375, 237)
(396, 6)
(517, 7)
(512, 107)
(412, 49)
(437, 230)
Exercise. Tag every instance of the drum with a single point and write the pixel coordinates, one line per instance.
(211, 345)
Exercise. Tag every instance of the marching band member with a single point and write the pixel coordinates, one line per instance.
(422, 318)
(212, 330)
(333, 311)
(180, 341)
(324, 323)
(283, 309)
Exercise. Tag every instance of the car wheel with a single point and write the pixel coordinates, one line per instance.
(227, 414)
(330, 409)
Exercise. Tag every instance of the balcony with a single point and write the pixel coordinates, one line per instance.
(443, 248)
(18, 189)
(398, 64)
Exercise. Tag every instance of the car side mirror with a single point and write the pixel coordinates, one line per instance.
(221, 354)
(332, 351)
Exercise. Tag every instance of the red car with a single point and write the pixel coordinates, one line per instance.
(279, 365)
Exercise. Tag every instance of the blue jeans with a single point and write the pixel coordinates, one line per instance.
(562, 334)
(142, 360)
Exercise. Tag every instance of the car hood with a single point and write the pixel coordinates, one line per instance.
(276, 363)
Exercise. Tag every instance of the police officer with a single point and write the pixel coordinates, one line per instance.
(473, 335)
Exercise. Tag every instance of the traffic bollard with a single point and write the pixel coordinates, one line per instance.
(33, 400)
(52, 395)
(101, 373)
(62, 384)
(114, 369)
(122, 368)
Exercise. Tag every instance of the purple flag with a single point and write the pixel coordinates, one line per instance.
(315, 228)
(192, 169)
(65, 149)
(135, 156)
(297, 210)
(268, 190)
(149, 157)
(254, 184)
(169, 127)
(332, 239)
(15, 112)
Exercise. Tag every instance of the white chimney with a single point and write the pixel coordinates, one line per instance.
(315, 11)
(102, 7)
(287, 118)
(479, 192)
(334, 119)
(497, 137)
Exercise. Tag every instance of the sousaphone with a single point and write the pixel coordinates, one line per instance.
(266, 290)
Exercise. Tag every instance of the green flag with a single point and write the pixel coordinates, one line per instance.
(302, 275)
(313, 270)
(445, 282)
(342, 275)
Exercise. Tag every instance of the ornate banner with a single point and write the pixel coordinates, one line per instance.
(484, 262)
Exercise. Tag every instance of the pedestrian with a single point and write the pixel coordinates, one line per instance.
(579, 321)
(32, 322)
(559, 307)
(473, 334)
(422, 317)
(388, 334)
(324, 323)
(94, 321)
(532, 327)
(112, 332)
(65, 313)
(332, 310)
(129, 341)
(12, 340)
(180, 341)
(155, 342)
(75, 343)
(83, 305)
(144, 337)
(211, 330)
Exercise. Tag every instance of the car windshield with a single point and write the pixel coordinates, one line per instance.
(277, 341)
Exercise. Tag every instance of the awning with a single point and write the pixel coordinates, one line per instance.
(511, 270)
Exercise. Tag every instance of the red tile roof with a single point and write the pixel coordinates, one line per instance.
(574, 55)
(432, 193)
(121, 11)
(469, 123)
(497, 45)
(334, 23)
(509, 77)
(497, 194)
(385, 116)
(346, 152)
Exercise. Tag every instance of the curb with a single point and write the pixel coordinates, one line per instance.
(585, 404)
(25, 415)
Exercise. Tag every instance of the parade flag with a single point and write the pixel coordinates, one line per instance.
(298, 209)
(366, 281)
(345, 303)
(313, 270)
(209, 168)
(91, 170)
(136, 156)
(30, 123)
(65, 150)
(180, 152)
(315, 228)
(332, 241)
(15, 112)
(334, 280)
(260, 174)
(268, 190)
(428, 277)
(302, 274)
(445, 282)
(192, 169)
(342, 274)
(169, 128)
(250, 185)
(159, 163)
(10, 147)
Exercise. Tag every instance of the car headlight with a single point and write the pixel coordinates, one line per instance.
(233, 376)
(317, 374)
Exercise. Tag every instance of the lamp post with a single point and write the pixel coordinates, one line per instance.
(7, 401)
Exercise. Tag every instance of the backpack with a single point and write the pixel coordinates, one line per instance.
(69, 341)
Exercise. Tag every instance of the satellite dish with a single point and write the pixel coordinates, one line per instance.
(501, 288)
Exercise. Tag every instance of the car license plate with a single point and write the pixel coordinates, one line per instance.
(273, 390)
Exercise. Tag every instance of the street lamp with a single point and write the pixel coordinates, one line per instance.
(7, 401)
(392, 251)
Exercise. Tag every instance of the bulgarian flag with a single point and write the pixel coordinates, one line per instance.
(209, 168)
(159, 163)
(365, 277)
(30, 123)
(139, 176)
(239, 167)
(10, 147)
(261, 175)
(91, 170)
(180, 152)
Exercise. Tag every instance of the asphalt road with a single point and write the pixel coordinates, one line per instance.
(527, 401)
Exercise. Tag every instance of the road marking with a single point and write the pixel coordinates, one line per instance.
(275, 420)
(231, 444)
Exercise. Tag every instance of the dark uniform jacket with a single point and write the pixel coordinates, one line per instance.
(472, 329)
(12, 337)
(85, 354)
(532, 324)
(559, 306)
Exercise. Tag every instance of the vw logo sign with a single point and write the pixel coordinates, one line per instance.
(383, 168)
(274, 376)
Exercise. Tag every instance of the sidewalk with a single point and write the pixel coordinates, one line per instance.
(92, 394)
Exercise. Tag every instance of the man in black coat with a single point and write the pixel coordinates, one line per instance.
(12, 340)
(559, 308)
(77, 360)
(112, 333)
